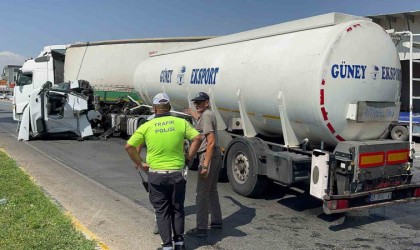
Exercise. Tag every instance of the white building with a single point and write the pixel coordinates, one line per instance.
(9, 74)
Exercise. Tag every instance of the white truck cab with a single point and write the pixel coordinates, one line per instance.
(48, 66)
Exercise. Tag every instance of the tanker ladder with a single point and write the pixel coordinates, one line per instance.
(410, 45)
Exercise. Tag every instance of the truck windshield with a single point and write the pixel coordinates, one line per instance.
(24, 79)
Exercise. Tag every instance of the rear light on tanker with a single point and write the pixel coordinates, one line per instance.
(417, 192)
(373, 159)
(338, 204)
(397, 156)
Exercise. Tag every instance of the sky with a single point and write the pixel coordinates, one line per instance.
(28, 25)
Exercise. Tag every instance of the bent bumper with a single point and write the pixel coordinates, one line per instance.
(362, 200)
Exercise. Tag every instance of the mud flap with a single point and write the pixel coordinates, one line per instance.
(319, 173)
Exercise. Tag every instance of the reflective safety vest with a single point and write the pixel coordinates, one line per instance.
(164, 137)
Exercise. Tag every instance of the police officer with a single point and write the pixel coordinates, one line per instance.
(207, 198)
(164, 136)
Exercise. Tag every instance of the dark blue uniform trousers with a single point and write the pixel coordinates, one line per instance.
(167, 195)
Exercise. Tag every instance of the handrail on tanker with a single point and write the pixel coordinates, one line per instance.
(410, 130)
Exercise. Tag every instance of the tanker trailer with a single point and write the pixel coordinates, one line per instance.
(109, 67)
(302, 101)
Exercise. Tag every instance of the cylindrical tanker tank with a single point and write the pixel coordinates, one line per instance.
(111, 64)
(318, 72)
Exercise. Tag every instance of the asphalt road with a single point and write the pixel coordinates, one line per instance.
(95, 181)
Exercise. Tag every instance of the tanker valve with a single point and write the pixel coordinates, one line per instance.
(304, 144)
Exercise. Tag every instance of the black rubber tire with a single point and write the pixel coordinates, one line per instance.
(254, 184)
(399, 133)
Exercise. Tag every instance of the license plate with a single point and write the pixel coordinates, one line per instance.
(380, 197)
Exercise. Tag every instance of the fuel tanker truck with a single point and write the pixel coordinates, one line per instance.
(303, 101)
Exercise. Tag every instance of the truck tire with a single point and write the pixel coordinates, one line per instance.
(241, 164)
(399, 133)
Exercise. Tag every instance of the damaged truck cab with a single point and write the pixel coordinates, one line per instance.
(62, 108)
(44, 105)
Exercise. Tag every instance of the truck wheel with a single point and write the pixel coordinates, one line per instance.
(242, 167)
(399, 133)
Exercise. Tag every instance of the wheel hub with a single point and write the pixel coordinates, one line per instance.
(241, 168)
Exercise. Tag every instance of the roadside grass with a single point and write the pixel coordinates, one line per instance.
(29, 219)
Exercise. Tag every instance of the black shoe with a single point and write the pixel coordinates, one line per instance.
(216, 226)
(156, 229)
(197, 232)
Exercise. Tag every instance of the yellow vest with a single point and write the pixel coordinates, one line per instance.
(164, 137)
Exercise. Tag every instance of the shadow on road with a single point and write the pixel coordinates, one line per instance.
(345, 221)
(296, 197)
(62, 136)
(241, 217)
